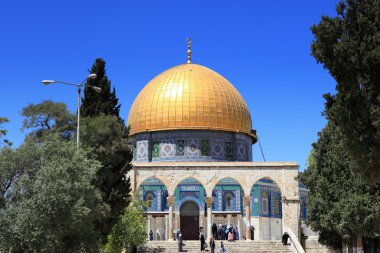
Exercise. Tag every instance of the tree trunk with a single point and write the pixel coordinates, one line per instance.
(344, 246)
(359, 244)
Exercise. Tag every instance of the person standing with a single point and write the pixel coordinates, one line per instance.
(212, 245)
(179, 241)
(230, 237)
(252, 233)
(151, 235)
(236, 233)
(158, 236)
(214, 231)
(202, 239)
(221, 248)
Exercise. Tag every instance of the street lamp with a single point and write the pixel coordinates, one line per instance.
(79, 86)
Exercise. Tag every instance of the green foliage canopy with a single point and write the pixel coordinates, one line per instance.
(48, 203)
(46, 118)
(105, 102)
(130, 231)
(106, 138)
(3, 132)
(340, 204)
(348, 45)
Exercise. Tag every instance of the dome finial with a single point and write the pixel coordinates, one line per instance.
(189, 41)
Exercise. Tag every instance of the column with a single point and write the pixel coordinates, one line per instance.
(177, 221)
(166, 227)
(209, 201)
(171, 204)
(239, 225)
(229, 219)
(148, 226)
(291, 215)
(247, 203)
(201, 219)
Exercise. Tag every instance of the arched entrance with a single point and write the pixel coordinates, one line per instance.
(189, 220)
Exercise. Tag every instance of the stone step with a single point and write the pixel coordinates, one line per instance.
(235, 247)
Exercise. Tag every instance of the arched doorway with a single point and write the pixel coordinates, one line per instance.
(189, 220)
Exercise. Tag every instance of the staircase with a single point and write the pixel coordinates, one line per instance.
(232, 247)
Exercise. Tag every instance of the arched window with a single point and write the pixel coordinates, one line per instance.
(215, 200)
(149, 197)
(165, 204)
(264, 202)
(276, 205)
(229, 201)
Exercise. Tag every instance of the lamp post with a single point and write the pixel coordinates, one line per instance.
(79, 87)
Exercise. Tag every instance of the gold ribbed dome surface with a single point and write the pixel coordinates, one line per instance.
(189, 96)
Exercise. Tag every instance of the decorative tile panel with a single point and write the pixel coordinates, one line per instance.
(167, 148)
(142, 150)
(217, 149)
(205, 147)
(228, 149)
(155, 149)
(241, 151)
(180, 148)
(194, 145)
(192, 148)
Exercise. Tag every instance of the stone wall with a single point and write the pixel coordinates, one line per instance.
(311, 245)
(283, 174)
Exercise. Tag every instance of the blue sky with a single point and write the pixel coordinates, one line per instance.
(262, 47)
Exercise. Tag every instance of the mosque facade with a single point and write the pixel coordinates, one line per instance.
(192, 138)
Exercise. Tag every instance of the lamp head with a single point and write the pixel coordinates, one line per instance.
(97, 89)
(47, 82)
(92, 76)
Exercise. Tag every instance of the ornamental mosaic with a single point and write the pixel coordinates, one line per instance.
(242, 154)
(217, 148)
(180, 148)
(192, 148)
(156, 149)
(205, 147)
(142, 150)
(228, 149)
(167, 148)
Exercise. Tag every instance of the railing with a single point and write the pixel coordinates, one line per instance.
(296, 244)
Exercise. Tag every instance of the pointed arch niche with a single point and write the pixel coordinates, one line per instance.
(155, 193)
(228, 196)
(266, 209)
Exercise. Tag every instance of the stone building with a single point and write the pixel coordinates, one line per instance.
(192, 136)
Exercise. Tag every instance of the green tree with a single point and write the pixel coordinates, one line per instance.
(48, 117)
(3, 132)
(107, 140)
(49, 204)
(106, 134)
(348, 45)
(129, 232)
(341, 206)
(105, 102)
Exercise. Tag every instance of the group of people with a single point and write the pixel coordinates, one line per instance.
(225, 232)
(158, 235)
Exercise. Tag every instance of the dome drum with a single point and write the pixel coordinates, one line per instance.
(192, 145)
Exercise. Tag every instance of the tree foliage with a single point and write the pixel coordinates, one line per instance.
(48, 201)
(107, 140)
(48, 117)
(3, 132)
(340, 204)
(348, 45)
(106, 134)
(129, 232)
(105, 102)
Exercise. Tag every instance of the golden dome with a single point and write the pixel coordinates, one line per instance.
(189, 96)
